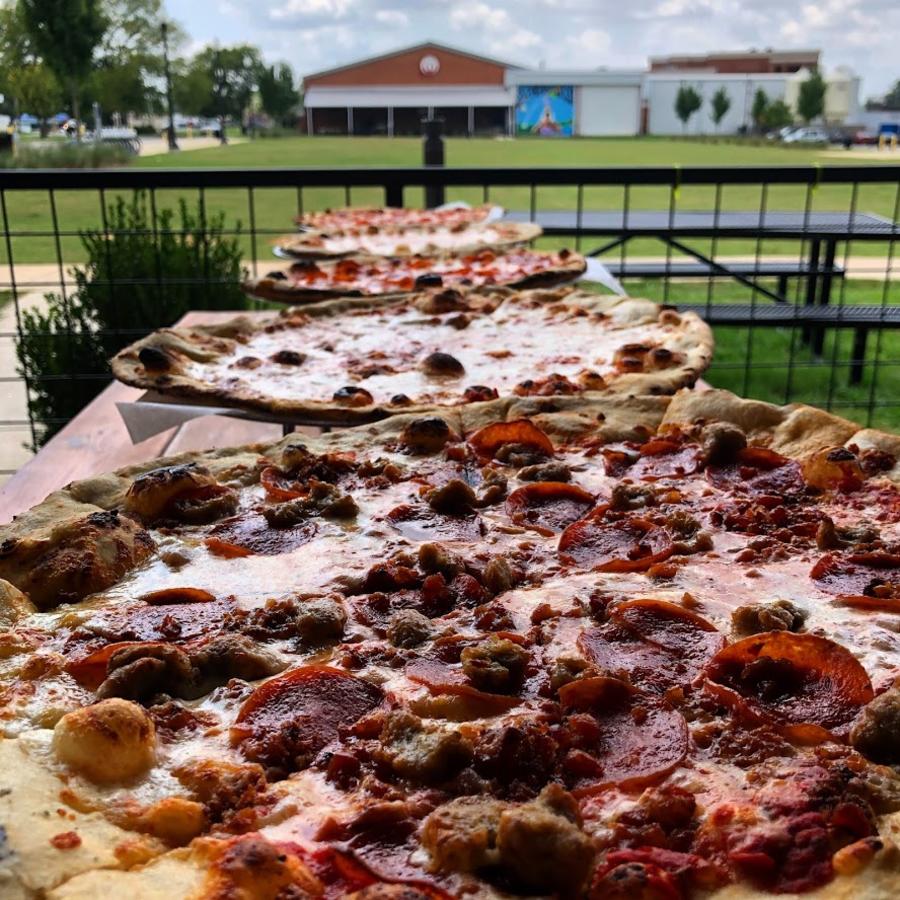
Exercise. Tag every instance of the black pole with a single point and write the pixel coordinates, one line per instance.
(433, 155)
(219, 78)
(173, 144)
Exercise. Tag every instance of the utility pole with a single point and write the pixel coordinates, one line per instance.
(173, 144)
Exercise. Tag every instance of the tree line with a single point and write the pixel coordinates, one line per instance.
(766, 114)
(69, 54)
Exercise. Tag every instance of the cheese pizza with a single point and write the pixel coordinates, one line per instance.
(310, 281)
(348, 361)
(542, 646)
(360, 219)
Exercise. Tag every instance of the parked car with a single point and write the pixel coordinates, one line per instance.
(782, 133)
(811, 134)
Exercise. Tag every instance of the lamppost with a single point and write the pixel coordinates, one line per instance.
(173, 144)
(219, 85)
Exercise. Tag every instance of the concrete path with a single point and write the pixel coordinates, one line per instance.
(157, 146)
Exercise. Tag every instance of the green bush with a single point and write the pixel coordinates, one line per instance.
(137, 279)
(66, 155)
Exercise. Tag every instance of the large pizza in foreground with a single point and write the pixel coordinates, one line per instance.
(534, 647)
(360, 360)
(309, 281)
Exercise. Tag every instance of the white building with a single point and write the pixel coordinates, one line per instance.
(606, 103)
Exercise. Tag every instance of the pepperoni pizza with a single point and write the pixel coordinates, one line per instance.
(309, 280)
(613, 648)
(349, 361)
(405, 241)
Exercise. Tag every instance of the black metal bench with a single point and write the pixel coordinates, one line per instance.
(860, 318)
(743, 270)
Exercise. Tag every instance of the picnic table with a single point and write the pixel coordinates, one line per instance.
(819, 232)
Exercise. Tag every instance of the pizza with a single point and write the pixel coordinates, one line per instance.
(544, 646)
(309, 281)
(407, 241)
(359, 219)
(357, 360)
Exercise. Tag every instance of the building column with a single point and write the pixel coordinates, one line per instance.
(510, 121)
(309, 121)
(349, 120)
(471, 121)
(390, 121)
(430, 112)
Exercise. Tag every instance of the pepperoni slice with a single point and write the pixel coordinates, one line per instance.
(250, 534)
(488, 440)
(660, 645)
(288, 720)
(627, 544)
(440, 678)
(548, 506)
(278, 486)
(423, 524)
(761, 471)
(622, 737)
(864, 580)
(808, 686)
(176, 596)
(661, 458)
(670, 627)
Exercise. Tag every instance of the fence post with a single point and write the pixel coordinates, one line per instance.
(433, 155)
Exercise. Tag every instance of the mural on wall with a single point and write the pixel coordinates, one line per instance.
(544, 110)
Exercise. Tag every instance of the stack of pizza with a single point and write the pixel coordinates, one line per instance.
(544, 622)
(366, 252)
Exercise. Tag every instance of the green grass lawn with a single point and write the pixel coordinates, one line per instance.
(274, 208)
(772, 364)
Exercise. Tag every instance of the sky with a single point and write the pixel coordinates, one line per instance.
(318, 34)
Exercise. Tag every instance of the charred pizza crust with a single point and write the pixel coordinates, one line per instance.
(408, 241)
(277, 285)
(62, 844)
(361, 217)
(672, 351)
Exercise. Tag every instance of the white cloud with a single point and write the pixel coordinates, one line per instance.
(474, 15)
(393, 17)
(295, 10)
(591, 40)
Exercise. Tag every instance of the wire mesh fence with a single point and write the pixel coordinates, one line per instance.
(795, 268)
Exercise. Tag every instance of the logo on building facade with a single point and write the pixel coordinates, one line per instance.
(429, 65)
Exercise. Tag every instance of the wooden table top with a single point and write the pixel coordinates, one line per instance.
(97, 441)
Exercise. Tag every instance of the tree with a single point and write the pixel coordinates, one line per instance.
(134, 32)
(892, 97)
(759, 109)
(811, 99)
(232, 74)
(192, 87)
(721, 103)
(687, 102)
(36, 91)
(16, 50)
(121, 87)
(66, 33)
(778, 115)
(277, 92)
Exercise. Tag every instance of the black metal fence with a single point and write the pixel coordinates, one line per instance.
(795, 267)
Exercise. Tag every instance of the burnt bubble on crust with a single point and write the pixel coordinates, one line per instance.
(429, 279)
(288, 358)
(154, 359)
(350, 395)
(479, 393)
(439, 363)
(400, 400)
(426, 435)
